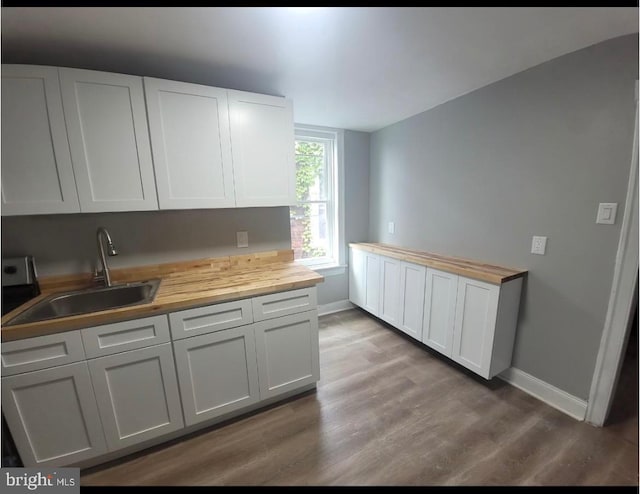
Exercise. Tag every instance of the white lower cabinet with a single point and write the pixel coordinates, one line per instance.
(486, 317)
(470, 321)
(287, 350)
(389, 305)
(217, 373)
(137, 395)
(411, 293)
(75, 396)
(52, 415)
(357, 278)
(439, 310)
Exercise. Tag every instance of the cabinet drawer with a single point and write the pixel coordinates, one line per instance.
(202, 320)
(41, 352)
(284, 303)
(122, 336)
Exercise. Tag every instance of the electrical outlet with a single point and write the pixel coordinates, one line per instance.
(392, 227)
(243, 239)
(538, 245)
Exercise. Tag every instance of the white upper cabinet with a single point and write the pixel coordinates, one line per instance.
(262, 145)
(189, 127)
(109, 140)
(37, 175)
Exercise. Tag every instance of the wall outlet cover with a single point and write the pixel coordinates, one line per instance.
(607, 213)
(392, 227)
(243, 239)
(538, 245)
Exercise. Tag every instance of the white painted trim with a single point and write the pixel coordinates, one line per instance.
(333, 307)
(621, 302)
(552, 396)
(339, 186)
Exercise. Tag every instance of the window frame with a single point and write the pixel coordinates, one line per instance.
(334, 264)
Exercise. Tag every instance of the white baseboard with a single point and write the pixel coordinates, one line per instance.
(332, 307)
(555, 397)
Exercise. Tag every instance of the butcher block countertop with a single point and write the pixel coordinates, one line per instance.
(457, 265)
(184, 285)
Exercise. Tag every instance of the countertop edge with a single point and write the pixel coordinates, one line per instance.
(70, 323)
(457, 265)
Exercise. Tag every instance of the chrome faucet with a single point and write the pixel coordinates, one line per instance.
(105, 275)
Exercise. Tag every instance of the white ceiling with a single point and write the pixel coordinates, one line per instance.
(359, 68)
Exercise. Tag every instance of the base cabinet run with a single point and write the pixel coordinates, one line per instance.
(96, 393)
(470, 321)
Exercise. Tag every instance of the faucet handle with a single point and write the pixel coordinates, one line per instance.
(98, 276)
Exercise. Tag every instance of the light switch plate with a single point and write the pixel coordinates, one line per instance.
(538, 245)
(243, 239)
(607, 213)
(392, 227)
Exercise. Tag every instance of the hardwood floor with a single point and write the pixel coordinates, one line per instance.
(387, 412)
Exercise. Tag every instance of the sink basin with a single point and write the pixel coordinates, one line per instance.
(89, 300)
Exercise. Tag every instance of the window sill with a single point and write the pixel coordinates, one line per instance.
(327, 269)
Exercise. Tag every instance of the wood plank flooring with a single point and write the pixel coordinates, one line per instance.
(388, 412)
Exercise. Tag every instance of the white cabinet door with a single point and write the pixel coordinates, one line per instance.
(357, 279)
(262, 145)
(109, 139)
(217, 373)
(439, 310)
(52, 415)
(475, 322)
(389, 308)
(412, 279)
(37, 175)
(137, 394)
(372, 283)
(287, 350)
(189, 127)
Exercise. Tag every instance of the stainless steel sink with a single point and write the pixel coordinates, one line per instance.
(89, 300)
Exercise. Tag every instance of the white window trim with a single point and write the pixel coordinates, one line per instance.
(337, 265)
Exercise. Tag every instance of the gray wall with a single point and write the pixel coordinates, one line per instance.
(67, 243)
(356, 170)
(532, 154)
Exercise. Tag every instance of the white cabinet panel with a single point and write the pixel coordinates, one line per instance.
(37, 175)
(357, 278)
(440, 310)
(372, 283)
(203, 320)
(475, 322)
(412, 279)
(217, 373)
(123, 336)
(137, 394)
(284, 303)
(189, 127)
(262, 145)
(287, 351)
(52, 415)
(32, 354)
(389, 290)
(109, 140)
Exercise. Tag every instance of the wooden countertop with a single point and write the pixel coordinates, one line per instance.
(466, 267)
(184, 285)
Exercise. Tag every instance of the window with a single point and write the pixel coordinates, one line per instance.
(316, 225)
